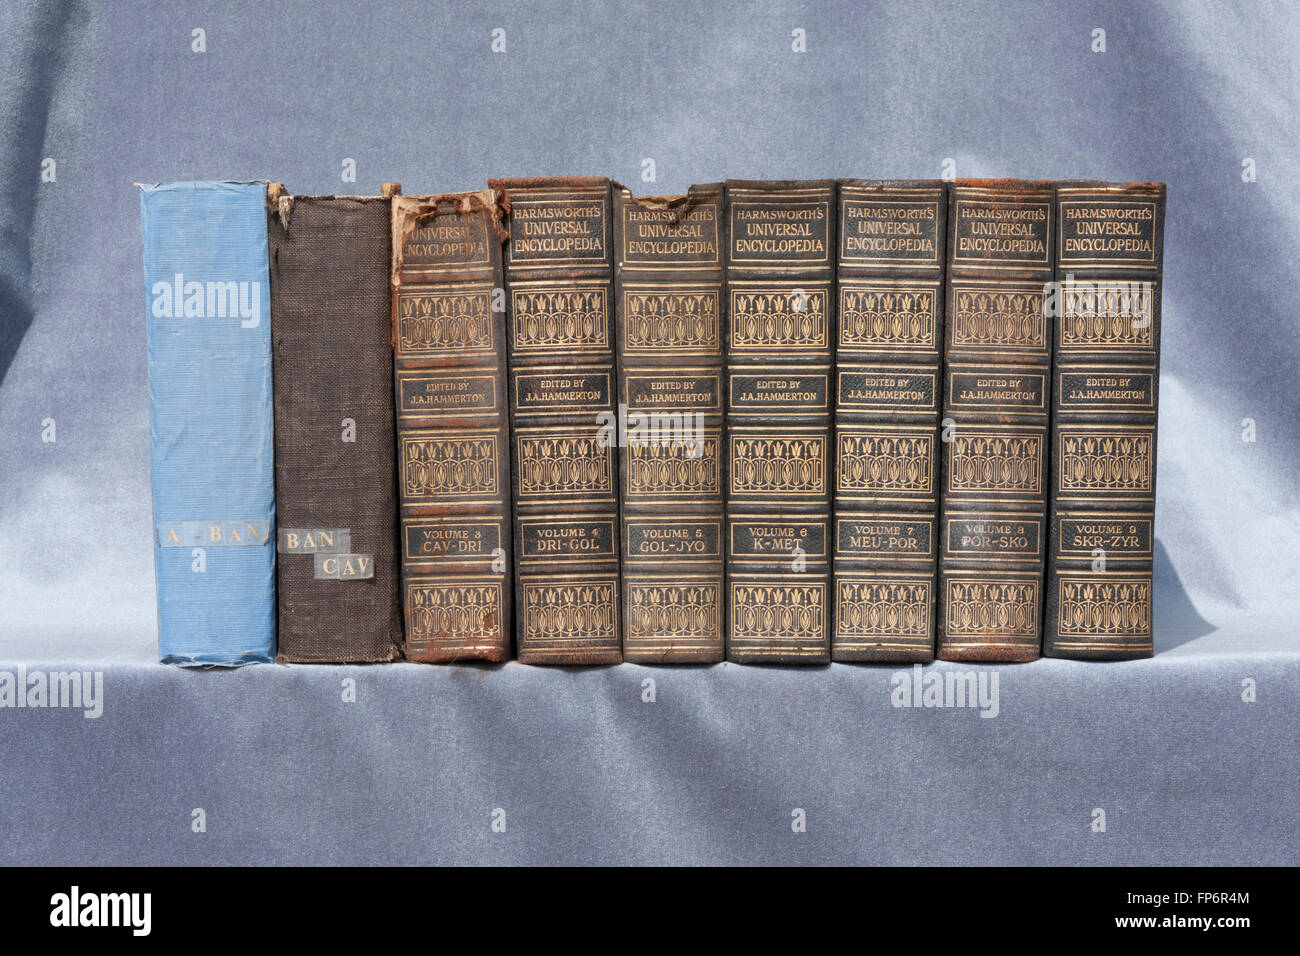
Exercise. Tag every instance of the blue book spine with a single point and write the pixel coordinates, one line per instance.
(207, 308)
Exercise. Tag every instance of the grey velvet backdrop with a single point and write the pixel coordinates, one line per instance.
(585, 771)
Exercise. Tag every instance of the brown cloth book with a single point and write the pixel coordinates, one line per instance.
(448, 329)
(891, 304)
(559, 275)
(1110, 252)
(337, 568)
(670, 304)
(997, 356)
(781, 337)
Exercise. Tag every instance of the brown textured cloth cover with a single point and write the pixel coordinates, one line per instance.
(330, 309)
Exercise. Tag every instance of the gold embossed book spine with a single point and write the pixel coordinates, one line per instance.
(1110, 248)
(559, 274)
(448, 326)
(890, 285)
(780, 334)
(997, 355)
(669, 305)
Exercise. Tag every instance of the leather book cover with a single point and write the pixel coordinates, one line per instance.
(208, 320)
(781, 334)
(890, 282)
(1110, 251)
(449, 343)
(335, 491)
(997, 357)
(559, 277)
(669, 307)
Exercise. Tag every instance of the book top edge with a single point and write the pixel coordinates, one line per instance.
(195, 185)
(697, 191)
(1006, 182)
(485, 196)
(916, 185)
(776, 185)
(1100, 185)
(298, 197)
(550, 182)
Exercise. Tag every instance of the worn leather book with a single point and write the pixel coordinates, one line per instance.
(1110, 251)
(207, 314)
(669, 308)
(337, 568)
(449, 343)
(891, 305)
(997, 352)
(781, 317)
(559, 277)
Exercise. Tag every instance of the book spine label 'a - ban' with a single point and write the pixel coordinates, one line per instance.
(887, 392)
(337, 570)
(207, 312)
(559, 276)
(997, 358)
(781, 333)
(1109, 248)
(669, 305)
(449, 341)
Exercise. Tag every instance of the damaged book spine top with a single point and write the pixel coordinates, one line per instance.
(449, 340)
(208, 319)
(559, 276)
(670, 303)
(337, 568)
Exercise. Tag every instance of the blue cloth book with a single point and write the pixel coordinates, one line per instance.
(207, 308)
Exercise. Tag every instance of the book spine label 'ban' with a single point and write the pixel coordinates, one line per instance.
(887, 387)
(559, 278)
(207, 312)
(1109, 247)
(781, 332)
(997, 352)
(669, 304)
(448, 328)
(337, 568)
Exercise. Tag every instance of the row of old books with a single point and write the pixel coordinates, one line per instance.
(781, 422)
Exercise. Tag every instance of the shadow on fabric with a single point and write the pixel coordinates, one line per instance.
(40, 39)
(1176, 619)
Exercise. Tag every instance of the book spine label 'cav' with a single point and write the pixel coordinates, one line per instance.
(208, 320)
(997, 351)
(1109, 248)
(669, 307)
(781, 239)
(453, 449)
(559, 277)
(337, 568)
(887, 389)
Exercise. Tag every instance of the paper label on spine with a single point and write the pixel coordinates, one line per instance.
(344, 567)
(313, 540)
(211, 534)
